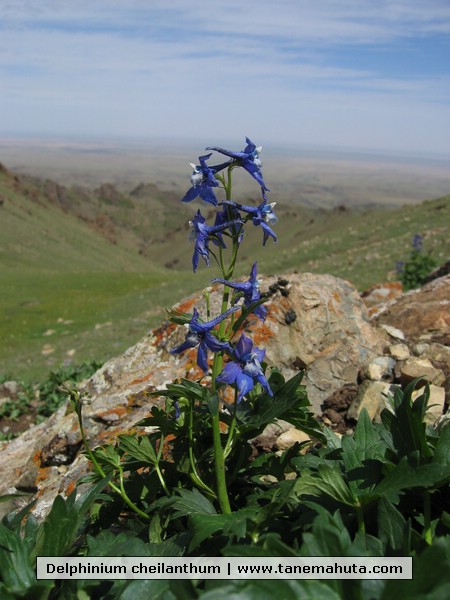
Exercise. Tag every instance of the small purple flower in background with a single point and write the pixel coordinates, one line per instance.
(417, 243)
(400, 266)
(202, 233)
(249, 290)
(199, 334)
(203, 180)
(260, 215)
(245, 370)
(249, 159)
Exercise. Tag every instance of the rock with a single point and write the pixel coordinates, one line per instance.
(399, 351)
(9, 388)
(381, 368)
(331, 337)
(422, 368)
(289, 438)
(421, 311)
(393, 331)
(375, 298)
(374, 397)
(267, 440)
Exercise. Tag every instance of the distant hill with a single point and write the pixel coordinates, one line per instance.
(96, 267)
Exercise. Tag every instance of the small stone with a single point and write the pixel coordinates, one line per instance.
(399, 351)
(381, 369)
(47, 349)
(10, 387)
(49, 332)
(289, 438)
(393, 332)
(422, 368)
(374, 397)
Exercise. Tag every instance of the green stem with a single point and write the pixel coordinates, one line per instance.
(230, 440)
(427, 532)
(221, 482)
(194, 474)
(157, 467)
(360, 517)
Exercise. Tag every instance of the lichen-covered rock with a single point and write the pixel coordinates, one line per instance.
(314, 322)
(421, 312)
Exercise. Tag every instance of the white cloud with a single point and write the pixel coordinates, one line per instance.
(174, 67)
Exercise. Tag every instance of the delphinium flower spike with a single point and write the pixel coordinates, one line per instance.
(249, 290)
(249, 159)
(203, 180)
(245, 369)
(199, 334)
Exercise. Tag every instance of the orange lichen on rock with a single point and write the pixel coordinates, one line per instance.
(120, 411)
(141, 379)
(37, 457)
(262, 334)
(161, 333)
(43, 473)
(70, 487)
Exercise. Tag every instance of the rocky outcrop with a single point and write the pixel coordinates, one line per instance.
(316, 323)
(421, 314)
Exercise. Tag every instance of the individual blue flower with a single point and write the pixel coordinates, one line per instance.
(245, 369)
(199, 334)
(249, 159)
(202, 233)
(249, 290)
(260, 215)
(417, 243)
(203, 180)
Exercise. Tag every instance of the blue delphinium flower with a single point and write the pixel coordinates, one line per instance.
(249, 159)
(417, 243)
(245, 369)
(199, 334)
(260, 215)
(203, 180)
(202, 233)
(249, 290)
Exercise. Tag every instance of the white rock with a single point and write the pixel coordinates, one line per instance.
(289, 438)
(394, 332)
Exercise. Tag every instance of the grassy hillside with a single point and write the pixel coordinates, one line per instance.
(86, 273)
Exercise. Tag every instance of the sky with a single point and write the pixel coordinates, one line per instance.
(345, 74)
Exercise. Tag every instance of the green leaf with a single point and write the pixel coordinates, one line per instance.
(393, 530)
(191, 502)
(107, 455)
(143, 589)
(140, 449)
(59, 530)
(407, 426)
(328, 481)
(287, 589)
(441, 453)
(15, 567)
(406, 476)
(430, 581)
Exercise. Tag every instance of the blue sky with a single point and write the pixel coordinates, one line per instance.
(333, 73)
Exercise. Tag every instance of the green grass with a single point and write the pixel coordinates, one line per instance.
(93, 316)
